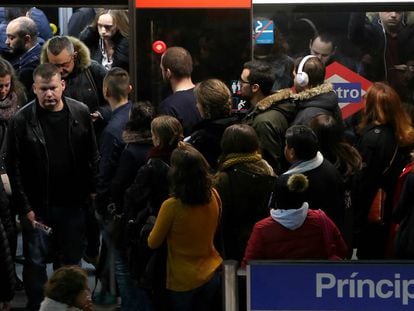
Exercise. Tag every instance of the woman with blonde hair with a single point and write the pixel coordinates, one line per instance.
(142, 201)
(187, 221)
(386, 137)
(107, 38)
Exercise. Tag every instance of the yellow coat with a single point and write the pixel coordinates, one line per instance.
(192, 258)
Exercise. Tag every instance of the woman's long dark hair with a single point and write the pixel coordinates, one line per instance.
(189, 175)
(333, 146)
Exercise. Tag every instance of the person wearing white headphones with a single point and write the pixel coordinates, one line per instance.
(313, 96)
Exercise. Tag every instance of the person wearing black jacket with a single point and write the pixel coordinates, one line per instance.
(107, 38)
(214, 104)
(385, 138)
(52, 164)
(83, 76)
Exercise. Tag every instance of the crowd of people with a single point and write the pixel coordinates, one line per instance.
(157, 195)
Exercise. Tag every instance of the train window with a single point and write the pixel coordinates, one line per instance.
(374, 40)
(219, 41)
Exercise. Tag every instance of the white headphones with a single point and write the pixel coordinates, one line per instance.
(302, 78)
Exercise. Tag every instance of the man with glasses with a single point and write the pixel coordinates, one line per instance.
(84, 82)
(83, 76)
(269, 114)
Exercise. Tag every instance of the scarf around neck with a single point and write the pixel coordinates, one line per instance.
(236, 158)
(8, 106)
(306, 166)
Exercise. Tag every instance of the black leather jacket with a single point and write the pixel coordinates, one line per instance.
(27, 159)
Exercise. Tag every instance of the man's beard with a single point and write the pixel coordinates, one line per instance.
(18, 49)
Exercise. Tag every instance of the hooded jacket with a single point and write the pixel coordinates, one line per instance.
(270, 118)
(318, 100)
(271, 240)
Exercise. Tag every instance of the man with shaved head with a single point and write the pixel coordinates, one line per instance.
(25, 49)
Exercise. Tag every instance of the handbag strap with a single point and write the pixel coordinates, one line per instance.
(392, 160)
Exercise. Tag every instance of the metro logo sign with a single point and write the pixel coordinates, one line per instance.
(191, 4)
(349, 86)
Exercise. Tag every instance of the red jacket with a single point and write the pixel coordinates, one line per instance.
(270, 240)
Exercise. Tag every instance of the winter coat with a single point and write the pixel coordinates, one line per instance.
(85, 83)
(270, 240)
(150, 185)
(27, 161)
(318, 100)
(243, 205)
(111, 145)
(25, 65)
(207, 135)
(377, 145)
(133, 157)
(271, 118)
(326, 186)
(90, 36)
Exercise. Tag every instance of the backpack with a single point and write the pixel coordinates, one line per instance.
(146, 265)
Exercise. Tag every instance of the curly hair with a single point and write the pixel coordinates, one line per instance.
(66, 284)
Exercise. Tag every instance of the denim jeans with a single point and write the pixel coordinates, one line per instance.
(64, 247)
(132, 296)
(202, 298)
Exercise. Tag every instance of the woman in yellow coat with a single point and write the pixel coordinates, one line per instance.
(188, 221)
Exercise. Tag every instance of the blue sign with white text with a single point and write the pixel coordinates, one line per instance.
(323, 286)
(348, 92)
(264, 32)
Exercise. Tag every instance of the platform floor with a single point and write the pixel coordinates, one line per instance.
(19, 301)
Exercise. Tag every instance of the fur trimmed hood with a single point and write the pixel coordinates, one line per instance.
(268, 101)
(284, 94)
(83, 59)
(312, 92)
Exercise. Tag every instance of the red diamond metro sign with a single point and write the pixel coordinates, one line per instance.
(349, 86)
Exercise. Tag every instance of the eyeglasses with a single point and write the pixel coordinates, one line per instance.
(241, 81)
(65, 64)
